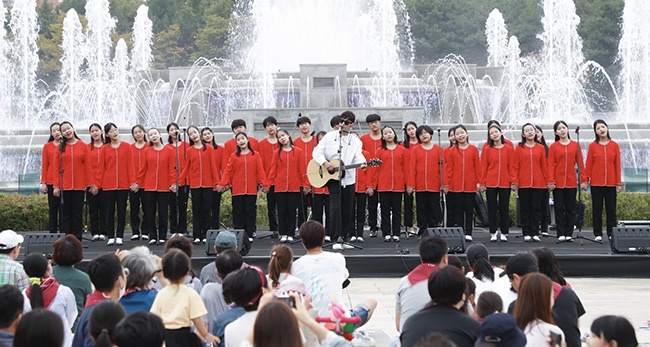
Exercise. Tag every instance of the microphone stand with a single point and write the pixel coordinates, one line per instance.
(443, 199)
(579, 203)
(61, 170)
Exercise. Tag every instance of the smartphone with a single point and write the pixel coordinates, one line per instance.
(556, 339)
(289, 300)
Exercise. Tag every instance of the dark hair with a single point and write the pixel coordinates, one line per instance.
(238, 152)
(281, 259)
(312, 234)
(615, 328)
(51, 138)
(101, 137)
(175, 265)
(139, 329)
(421, 129)
(433, 249)
(435, 340)
(246, 288)
(104, 271)
(489, 138)
(349, 115)
(533, 300)
(179, 242)
(320, 134)
(39, 328)
(197, 130)
(383, 142)
(446, 286)
(487, 303)
(269, 119)
(556, 125)
(302, 119)
(138, 126)
(265, 329)
(454, 261)
(277, 136)
(523, 139)
(407, 141)
(226, 286)
(541, 141)
(493, 121)
(169, 126)
(236, 123)
(107, 128)
(214, 142)
(35, 266)
(470, 289)
(373, 117)
(451, 131)
(596, 122)
(336, 120)
(102, 321)
(67, 251)
(479, 262)
(548, 265)
(11, 305)
(227, 262)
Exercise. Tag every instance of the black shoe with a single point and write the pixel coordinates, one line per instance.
(373, 233)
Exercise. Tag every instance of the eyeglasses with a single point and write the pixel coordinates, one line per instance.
(260, 272)
(347, 122)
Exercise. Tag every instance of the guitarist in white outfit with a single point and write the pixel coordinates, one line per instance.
(341, 193)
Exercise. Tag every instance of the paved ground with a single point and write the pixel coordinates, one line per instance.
(600, 296)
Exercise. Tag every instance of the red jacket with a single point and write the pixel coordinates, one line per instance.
(182, 158)
(307, 150)
(231, 147)
(95, 157)
(78, 173)
(244, 173)
(372, 146)
(266, 150)
(498, 166)
(362, 176)
(531, 167)
(201, 169)
(424, 169)
(463, 169)
(49, 155)
(158, 173)
(604, 164)
(288, 172)
(116, 170)
(562, 161)
(390, 176)
(218, 155)
(137, 155)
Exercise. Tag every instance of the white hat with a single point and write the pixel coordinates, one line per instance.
(9, 239)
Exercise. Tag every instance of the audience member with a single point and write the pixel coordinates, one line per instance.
(249, 284)
(517, 267)
(612, 331)
(454, 260)
(140, 329)
(11, 310)
(435, 340)
(548, 265)
(487, 277)
(470, 293)
(533, 311)
(68, 252)
(225, 240)
(11, 272)
(443, 315)
(282, 281)
(488, 303)
(500, 330)
(181, 242)
(42, 328)
(232, 287)
(142, 265)
(212, 293)
(102, 322)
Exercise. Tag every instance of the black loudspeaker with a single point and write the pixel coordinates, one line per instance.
(631, 240)
(455, 237)
(243, 245)
(40, 243)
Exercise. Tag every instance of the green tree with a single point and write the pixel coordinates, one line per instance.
(168, 50)
(125, 11)
(162, 13)
(524, 20)
(78, 5)
(211, 37)
(49, 52)
(600, 29)
(46, 17)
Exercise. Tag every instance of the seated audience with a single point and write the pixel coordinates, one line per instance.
(435, 340)
(487, 277)
(140, 329)
(142, 265)
(11, 310)
(212, 293)
(102, 322)
(11, 272)
(500, 330)
(488, 303)
(612, 331)
(224, 240)
(248, 286)
(533, 311)
(42, 328)
(178, 241)
(234, 311)
(282, 281)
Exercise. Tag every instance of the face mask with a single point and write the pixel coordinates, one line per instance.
(122, 291)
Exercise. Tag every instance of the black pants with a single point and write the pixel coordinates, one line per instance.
(136, 203)
(287, 203)
(111, 199)
(498, 202)
(373, 202)
(216, 210)
(54, 208)
(72, 212)
(529, 201)
(462, 205)
(408, 210)
(244, 213)
(545, 208)
(598, 195)
(360, 213)
(96, 213)
(201, 211)
(564, 204)
(391, 202)
(303, 207)
(272, 209)
(178, 210)
(156, 201)
(341, 209)
(428, 210)
(320, 205)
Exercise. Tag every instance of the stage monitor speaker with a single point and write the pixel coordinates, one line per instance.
(631, 240)
(455, 237)
(243, 245)
(40, 242)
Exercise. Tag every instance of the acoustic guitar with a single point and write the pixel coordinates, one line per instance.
(318, 176)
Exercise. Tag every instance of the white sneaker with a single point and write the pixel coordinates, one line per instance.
(289, 239)
(328, 239)
(493, 237)
(204, 241)
(353, 239)
(359, 239)
(102, 237)
(160, 242)
(283, 239)
(118, 241)
(527, 238)
(144, 237)
(395, 238)
(387, 238)
(250, 239)
(110, 242)
(468, 238)
(346, 246)
(337, 246)
(561, 238)
(95, 238)
(197, 240)
(536, 239)
(362, 339)
(569, 239)
(152, 242)
(598, 239)
(135, 237)
(504, 238)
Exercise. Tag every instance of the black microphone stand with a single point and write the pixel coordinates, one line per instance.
(61, 170)
(443, 199)
(579, 203)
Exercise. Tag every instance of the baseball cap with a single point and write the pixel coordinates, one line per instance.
(475, 250)
(10, 239)
(500, 329)
(225, 240)
(520, 264)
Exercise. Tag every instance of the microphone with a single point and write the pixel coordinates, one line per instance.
(61, 137)
(176, 132)
(343, 131)
(577, 129)
(438, 129)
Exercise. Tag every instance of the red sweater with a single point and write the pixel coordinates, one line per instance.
(50, 153)
(390, 176)
(531, 167)
(604, 164)
(231, 147)
(182, 154)
(562, 161)
(77, 168)
(266, 150)
(288, 172)
(201, 169)
(158, 173)
(498, 166)
(116, 170)
(362, 176)
(307, 150)
(424, 169)
(137, 155)
(372, 146)
(463, 169)
(95, 157)
(244, 173)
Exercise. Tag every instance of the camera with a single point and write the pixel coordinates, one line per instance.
(289, 300)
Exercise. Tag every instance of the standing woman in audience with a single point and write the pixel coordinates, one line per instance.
(603, 171)
(178, 199)
(533, 310)
(463, 176)
(498, 172)
(157, 178)
(201, 174)
(410, 142)
(218, 155)
(138, 148)
(288, 176)
(545, 204)
(77, 176)
(49, 154)
(115, 176)
(95, 201)
(564, 156)
(532, 180)
(423, 179)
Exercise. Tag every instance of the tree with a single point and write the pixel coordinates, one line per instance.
(600, 29)
(162, 13)
(125, 11)
(78, 5)
(46, 17)
(211, 37)
(167, 49)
